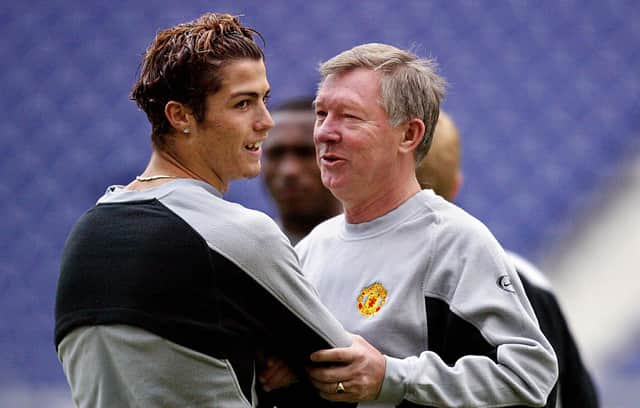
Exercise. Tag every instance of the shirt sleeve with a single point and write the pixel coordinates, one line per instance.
(255, 245)
(485, 346)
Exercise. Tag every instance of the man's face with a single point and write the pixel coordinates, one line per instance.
(227, 143)
(290, 171)
(357, 148)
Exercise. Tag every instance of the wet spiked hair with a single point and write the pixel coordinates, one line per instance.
(183, 64)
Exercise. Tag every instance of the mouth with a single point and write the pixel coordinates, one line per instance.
(254, 147)
(330, 158)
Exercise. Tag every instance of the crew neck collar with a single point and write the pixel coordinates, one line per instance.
(385, 222)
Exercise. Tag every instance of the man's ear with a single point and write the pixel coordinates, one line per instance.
(179, 116)
(413, 135)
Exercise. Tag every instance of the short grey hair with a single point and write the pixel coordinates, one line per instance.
(409, 86)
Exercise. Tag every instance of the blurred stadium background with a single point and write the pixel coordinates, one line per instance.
(546, 94)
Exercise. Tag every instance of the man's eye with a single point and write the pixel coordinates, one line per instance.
(242, 104)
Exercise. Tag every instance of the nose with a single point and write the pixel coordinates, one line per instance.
(326, 131)
(265, 121)
(290, 165)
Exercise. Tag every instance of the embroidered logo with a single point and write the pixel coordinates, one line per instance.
(504, 283)
(371, 299)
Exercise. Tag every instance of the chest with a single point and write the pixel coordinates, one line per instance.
(375, 292)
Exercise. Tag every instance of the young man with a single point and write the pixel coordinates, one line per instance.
(167, 293)
(440, 171)
(291, 174)
(423, 281)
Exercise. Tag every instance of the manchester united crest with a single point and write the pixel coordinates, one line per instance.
(371, 299)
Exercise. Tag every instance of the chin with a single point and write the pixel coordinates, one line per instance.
(332, 183)
(252, 172)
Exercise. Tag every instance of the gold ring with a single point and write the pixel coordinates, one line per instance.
(340, 388)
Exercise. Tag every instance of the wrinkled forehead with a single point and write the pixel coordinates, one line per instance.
(354, 88)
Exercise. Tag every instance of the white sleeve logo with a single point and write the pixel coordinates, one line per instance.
(504, 283)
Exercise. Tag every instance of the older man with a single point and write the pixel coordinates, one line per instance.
(424, 282)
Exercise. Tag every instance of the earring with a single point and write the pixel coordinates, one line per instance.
(186, 130)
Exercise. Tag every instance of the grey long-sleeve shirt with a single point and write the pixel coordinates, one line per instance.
(167, 295)
(429, 286)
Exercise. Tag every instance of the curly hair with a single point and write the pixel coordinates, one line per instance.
(182, 64)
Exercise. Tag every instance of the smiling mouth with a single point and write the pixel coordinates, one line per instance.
(253, 147)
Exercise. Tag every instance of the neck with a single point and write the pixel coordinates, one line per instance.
(169, 164)
(379, 202)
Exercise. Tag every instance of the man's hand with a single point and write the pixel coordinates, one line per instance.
(276, 374)
(359, 368)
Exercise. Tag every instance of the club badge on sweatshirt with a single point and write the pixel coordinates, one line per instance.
(371, 299)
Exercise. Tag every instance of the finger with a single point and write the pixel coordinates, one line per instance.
(282, 378)
(273, 369)
(339, 355)
(325, 387)
(278, 378)
(272, 382)
(269, 371)
(329, 391)
(332, 395)
(331, 374)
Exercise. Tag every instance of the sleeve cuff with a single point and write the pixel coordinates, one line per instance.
(394, 385)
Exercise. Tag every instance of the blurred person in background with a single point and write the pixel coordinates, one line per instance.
(167, 293)
(291, 174)
(408, 271)
(441, 171)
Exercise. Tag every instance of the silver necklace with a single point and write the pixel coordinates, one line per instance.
(151, 178)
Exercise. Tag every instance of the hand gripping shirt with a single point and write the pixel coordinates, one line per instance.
(167, 295)
(429, 286)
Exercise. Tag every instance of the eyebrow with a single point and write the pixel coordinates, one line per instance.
(346, 104)
(250, 94)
